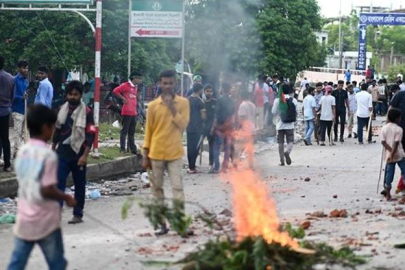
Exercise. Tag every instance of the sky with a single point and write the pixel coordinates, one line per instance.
(330, 8)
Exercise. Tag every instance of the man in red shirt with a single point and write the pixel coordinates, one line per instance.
(127, 92)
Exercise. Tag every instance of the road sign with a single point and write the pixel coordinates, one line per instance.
(61, 2)
(157, 18)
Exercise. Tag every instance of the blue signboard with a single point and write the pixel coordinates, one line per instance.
(374, 19)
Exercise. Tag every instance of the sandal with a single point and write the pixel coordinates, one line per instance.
(75, 220)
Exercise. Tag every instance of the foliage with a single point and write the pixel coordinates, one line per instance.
(393, 71)
(294, 233)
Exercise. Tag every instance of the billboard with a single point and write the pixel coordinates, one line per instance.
(59, 2)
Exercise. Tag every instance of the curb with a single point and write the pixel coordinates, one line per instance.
(95, 172)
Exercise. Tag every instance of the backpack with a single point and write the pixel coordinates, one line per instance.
(290, 115)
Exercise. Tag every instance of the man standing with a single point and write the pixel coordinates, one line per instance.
(342, 102)
(166, 120)
(45, 89)
(197, 79)
(73, 138)
(328, 114)
(210, 107)
(383, 97)
(286, 107)
(348, 76)
(127, 92)
(364, 110)
(352, 111)
(258, 97)
(398, 101)
(223, 127)
(309, 112)
(20, 95)
(355, 88)
(195, 128)
(318, 95)
(88, 96)
(6, 101)
(373, 90)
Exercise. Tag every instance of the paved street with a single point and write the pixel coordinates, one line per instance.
(348, 172)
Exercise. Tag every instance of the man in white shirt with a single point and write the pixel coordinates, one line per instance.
(353, 109)
(364, 111)
(309, 112)
(328, 114)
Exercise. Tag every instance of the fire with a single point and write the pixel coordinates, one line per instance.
(254, 211)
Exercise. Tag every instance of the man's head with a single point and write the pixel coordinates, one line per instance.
(42, 73)
(347, 84)
(354, 83)
(23, 68)
(328, 89)
(135, 78)
(197, 89)
(384, 81)
(245, 95)
(275, 78)
(395, 88)
(209, 91)
(340, 84)
(348, 70)
(330, 84)
(286, 89)
(74, 93)
(167, 80)
(40, 122)
(364, 87)
(399, 82)
(373, 82)
(394, 115)
(87, 87)
(368, 79)
(325, 83)
(226, 89)
(311, 91)
(319, 87)
(2, 60)
(350, 88)
(197, 79)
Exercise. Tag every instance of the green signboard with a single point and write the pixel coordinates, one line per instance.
(80, 2)
(157, 5)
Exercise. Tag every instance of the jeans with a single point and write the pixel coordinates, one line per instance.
(51, 246)
(325, 125)
(383, 107)
(4, 139)
(211, 142)
(79, 180)
(193, 148)
(309, 129)
(340, 119)
(282, 136)
(361, 123)
(226, 141)
(128, 129)
(318, 128)
(375, 109)
(390, 172)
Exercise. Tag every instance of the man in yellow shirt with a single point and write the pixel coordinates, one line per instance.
(167, 118)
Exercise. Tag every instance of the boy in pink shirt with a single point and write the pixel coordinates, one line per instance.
(38, 213)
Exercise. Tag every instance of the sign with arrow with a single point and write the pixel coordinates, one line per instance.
(157, 18)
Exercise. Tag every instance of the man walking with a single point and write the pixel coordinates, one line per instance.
(45, 89)
(127, 92)
(328, 114)
(195, 127)
(260, 90)
(6, 101)
(318, 95)
(373, 90)
(364, 111)
(73, 138)
(342, 102)
(286, 107)
(210, 107)
(353, 109)
(348, 76)
(309, 112)
(20, 96)
(167, 117)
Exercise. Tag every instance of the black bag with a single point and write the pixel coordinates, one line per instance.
(290, 115)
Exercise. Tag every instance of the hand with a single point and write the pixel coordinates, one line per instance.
(124, 100)
(82, 161)
(146, 163)
(25, 96)
(70, 201)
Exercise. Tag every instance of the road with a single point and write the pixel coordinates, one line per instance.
(341, 177)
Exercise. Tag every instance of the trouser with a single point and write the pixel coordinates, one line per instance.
(265, 112)
(79, 180)
(325, 125)
(193, 148)
(382, 107)
(340, 119)
(390, 172)
(211, 142)
(51, 246)
(282, 136)
(318, 128)
(269, 117)
(18, 120)
(350, 123)
(174, 168)
(375, 108)
(259, 118)
(226, 141)
(244, 144)
(361, 123)
(4, 139)
(309, 129)
(128, 129)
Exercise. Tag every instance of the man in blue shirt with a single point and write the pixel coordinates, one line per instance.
(348, 76)
(45, 90)
(20, 95)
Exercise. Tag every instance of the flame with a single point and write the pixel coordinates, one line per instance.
(254, 211)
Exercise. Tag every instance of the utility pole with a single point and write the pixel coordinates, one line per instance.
(340, 36)
(392, 53)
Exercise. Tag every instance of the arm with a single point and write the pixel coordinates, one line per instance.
(53, 193)
(334, 113)
(89, 140)
(148, 138)
(347, 105)
(203, 111)
(387, 147)
(118, 93)
(55, 139)
(394, 150)
(182, 117)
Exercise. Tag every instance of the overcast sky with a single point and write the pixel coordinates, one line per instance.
(330, 8)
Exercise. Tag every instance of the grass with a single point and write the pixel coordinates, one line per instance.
(107, 154)
(108, 132)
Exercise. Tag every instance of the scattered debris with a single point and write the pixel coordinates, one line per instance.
(305, 225)
(307, 179)
(226, 212)
(338, 213)
(335, 196)
(319, 214)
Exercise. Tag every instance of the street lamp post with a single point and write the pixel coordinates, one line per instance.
(340, 36)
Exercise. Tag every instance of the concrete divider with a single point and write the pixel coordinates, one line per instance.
(95, 172)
